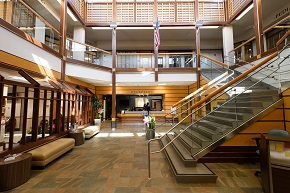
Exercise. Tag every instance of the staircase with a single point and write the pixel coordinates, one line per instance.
(236, 103)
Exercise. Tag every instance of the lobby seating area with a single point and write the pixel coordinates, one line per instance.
(116, 162)
(45, 154)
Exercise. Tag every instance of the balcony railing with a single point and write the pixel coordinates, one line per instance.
(20, 15)
(165, 60)
(87, 53)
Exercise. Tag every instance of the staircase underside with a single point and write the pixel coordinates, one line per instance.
(194, 174)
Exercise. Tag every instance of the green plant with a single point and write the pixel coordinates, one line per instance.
(150, 122)
(97, 105)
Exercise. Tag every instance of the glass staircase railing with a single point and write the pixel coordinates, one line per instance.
(216, 75)
(227, 110)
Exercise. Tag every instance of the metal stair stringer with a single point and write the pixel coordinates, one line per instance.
(203, 151)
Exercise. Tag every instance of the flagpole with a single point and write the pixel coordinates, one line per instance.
(156, 45)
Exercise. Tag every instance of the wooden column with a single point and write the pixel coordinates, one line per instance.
(197, 44)
(44, 114)
(58, 107)
(114, 55)
(258, 21)
(35, 113)
(63, 111)
(1, 95)
(51, 130)
(68, 118)
(12, 117)
(62, 43)
(24, 122)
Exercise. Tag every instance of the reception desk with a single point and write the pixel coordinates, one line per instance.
(137, 116)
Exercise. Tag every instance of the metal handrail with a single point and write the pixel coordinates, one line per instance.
(196, 94)
(206, 100)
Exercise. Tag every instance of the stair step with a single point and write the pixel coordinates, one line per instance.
(210, 134)
(183, 153)
(198, 174)
(240, 109)
(242, 103)
(238, 116)
(263, 97)
(188, 143)
(228, 122)
(216, 127)
(197, 138)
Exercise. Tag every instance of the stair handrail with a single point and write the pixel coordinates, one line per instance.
(282, 38)
(208, 84)
(196, 93)
(199, 103)
(234, 80)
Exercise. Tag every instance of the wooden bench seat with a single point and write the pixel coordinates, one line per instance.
(43, 155)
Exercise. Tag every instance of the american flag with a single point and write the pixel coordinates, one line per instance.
(156, 34)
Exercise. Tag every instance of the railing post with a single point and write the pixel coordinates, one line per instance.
(149, 166)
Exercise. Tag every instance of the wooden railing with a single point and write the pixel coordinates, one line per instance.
(167, 11)
(214, 93)
(264, 32)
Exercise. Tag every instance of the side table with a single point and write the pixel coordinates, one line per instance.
(15, 172)
(79, 137)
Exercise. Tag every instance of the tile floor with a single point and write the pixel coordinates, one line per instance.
(116, 162)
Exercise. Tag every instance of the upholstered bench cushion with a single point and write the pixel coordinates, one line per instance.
(91, 130)
(48, 152)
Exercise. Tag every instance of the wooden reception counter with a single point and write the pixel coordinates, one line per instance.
(137, 116)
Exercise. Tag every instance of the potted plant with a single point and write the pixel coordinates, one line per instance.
(150, 122)
(97, 107)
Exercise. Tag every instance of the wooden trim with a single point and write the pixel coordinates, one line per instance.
(76, 13)
(87, 64)
(242, 44)
(191, 70)
(258, 22)
(62, 42)
(283, 38)
(39, 16)
(231, 154)
(212, 94)
(216, 61)
(28, 78)
(246, 4)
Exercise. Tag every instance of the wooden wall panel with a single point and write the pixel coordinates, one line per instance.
(263, 127)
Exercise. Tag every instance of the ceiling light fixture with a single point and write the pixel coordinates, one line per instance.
(161, 84)
(244, 12)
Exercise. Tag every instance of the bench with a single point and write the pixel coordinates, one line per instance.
(43, 155)
(90, 131)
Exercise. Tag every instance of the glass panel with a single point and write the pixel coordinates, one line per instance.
(87, 53)
(23, 18)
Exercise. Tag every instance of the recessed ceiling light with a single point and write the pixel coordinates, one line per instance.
(161, 84)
